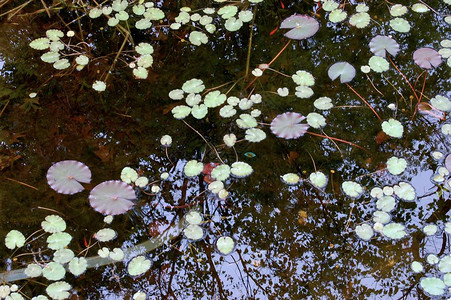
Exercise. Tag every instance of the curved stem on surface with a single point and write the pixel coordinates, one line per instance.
(337, 139)
(366, 102)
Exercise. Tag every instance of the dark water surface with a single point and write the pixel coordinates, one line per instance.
(292, 242)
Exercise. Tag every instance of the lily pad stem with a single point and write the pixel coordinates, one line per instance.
(366, 102)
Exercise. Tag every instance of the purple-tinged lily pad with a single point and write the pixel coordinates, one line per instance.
(342, 69)
(380, 43)
(287, 125)
(427, 58)
(303, 27)
(448, 162)
(112, 197)
(65, 176)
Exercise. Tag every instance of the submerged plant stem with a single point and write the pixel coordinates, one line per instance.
(366, 102)
(22, 183)
(403, 76)
(249, 48)
(337, 139)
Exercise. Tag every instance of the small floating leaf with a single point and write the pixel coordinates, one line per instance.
(225, 245)
(427, 58)
(193, 232)
(360, 20)
(53, 223)
(58, 290)
(138, 265)
(416, 267)
(14, 239)
(105, 235)
(316, 120)
(323, 103)
(255, 135)
(386, 203)
(303, 78)
(393, 128)
(193, 86)
(40, 44)
(78, 265)
(33, 270)
(318, 179)
(378, 64)
(364, 231)
(246, 121)
(303, 27)
(441, 102)
(291, 178)
(181, 111)
(344, 70)
(53, 271)
(221, 172)
(396, 165)
(214, 99)
(65, 176)
(394, 231)
(379, 44)
(112, 197)
(58, 240)
(241, 169)
(405, 191)
(193, 217)
(287, 125)
(193, 168)
(352, 189)
(433, 286)
(400, 25)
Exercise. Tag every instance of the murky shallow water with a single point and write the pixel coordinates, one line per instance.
(291, 241)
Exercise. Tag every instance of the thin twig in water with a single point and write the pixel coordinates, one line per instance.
(22, 183)
(366, 102)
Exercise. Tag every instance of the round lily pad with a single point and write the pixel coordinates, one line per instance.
(291, 178)
(193, 168)
(58, 290)
(225, 245)
(352, 189)
(364, 231)
(138, 266)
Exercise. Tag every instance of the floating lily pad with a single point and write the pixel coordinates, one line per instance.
(50, 57)
(316, 120)
(63, 255)
(378, 64)
(291, 178)
(246, 121)
(323, 103)
(214, 99)
(40, 44)
(381, 217)
(364, 231)
(105, 235)
(216, 186)
(441, 102)
(181, 111)
(360, 20)
(254, 135)
(228, 11)
(78, 265)
(229, 140)
(117, 254)
(396, 165)
(233, 24)
(416, 267)
(430, 229)
(398, 10)
(337, 16)
(318, 179)
(394, 231)
(193, 86)
(193, 168)
(330, 5)
(99, 86)
(386, 203)
(225, 245)
(58, 240)
(427, 58)
(138, 266)
(433, 286)
(53, 223)
(14, 239)
(193, 232)
(420, 8)
(53, 271)
(352, 189)
(241, 169)
(193, 217)
(344, 70)
(303, 27)
(405, 191)
(199, 111)
(33, 270)
(221, 172)
(65, 176)
(58, 290)
(193, 99)
(112, 197)
(287, 125)
(400, 25)
(303, 78)
(393, 128)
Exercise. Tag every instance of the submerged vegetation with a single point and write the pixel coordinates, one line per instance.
(165, 147)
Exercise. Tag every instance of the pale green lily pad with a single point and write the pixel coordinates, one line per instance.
(107, 10)
(145, 61)
(214, 99)
(82, 60)
(381, 217)
(341, 69)
(323, 103)
(318, 179)
(361, 8)
(256, 113)
(360, 20)
(241, 169)
(193, 217)
(330, 5)
(181, 111)
(140, 73)
(53, 271)
(291, 178)
(316, 120)
(445, 264)
(229, 140)
(193, 99)
(233, 24)
(40, 44)
(138, 9)
(283, 92)
(376, 192)
(78, 265)
(154, 14)
(56, 46)
(405, 191)
(233, 101)
(445, 43)
(58, 240)
(216, 186)
(193, 232)
(447, 279)
(122, 16)
(337, 16)
(352, 189)
(182, 18)
(205, 20)
(386, 203)
(63, 255)
(99, 86)
(227, 11)
(245, 104)
(254, 135)
(105, 235)
(303, 78)
(176, 94)
(129, 175)
(61, 64)
(394, 231)
(430, 229)
(141, 182)
(303, 92)
(441, 102)
(144, 48)
(50, 57)
(445, 52)
(104, 252)
(193, 86)
(119, 5)
(33, 270)
(364, 231)
(210, 28)
(398, 10)
(193, 168)
(54, 34)
(117, 254)
(221, 172)
(400, 25)
(53, 223)
(14, 239)
(246, 121)
(142, 24)
(138, 266)
(396, 165)
(420, 8)
(416, 267)
(378, 64)
(225, 245)
(245, 16)
(433, 286)
(227, 111)
(58, 290)
(198, 38)
(199, 111)
(393, 128)
(114, 21)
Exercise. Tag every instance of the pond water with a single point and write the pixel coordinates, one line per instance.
(290, 241)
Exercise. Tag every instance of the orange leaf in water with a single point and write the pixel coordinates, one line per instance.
(381, 137)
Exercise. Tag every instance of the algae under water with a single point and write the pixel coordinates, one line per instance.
(359, 240)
